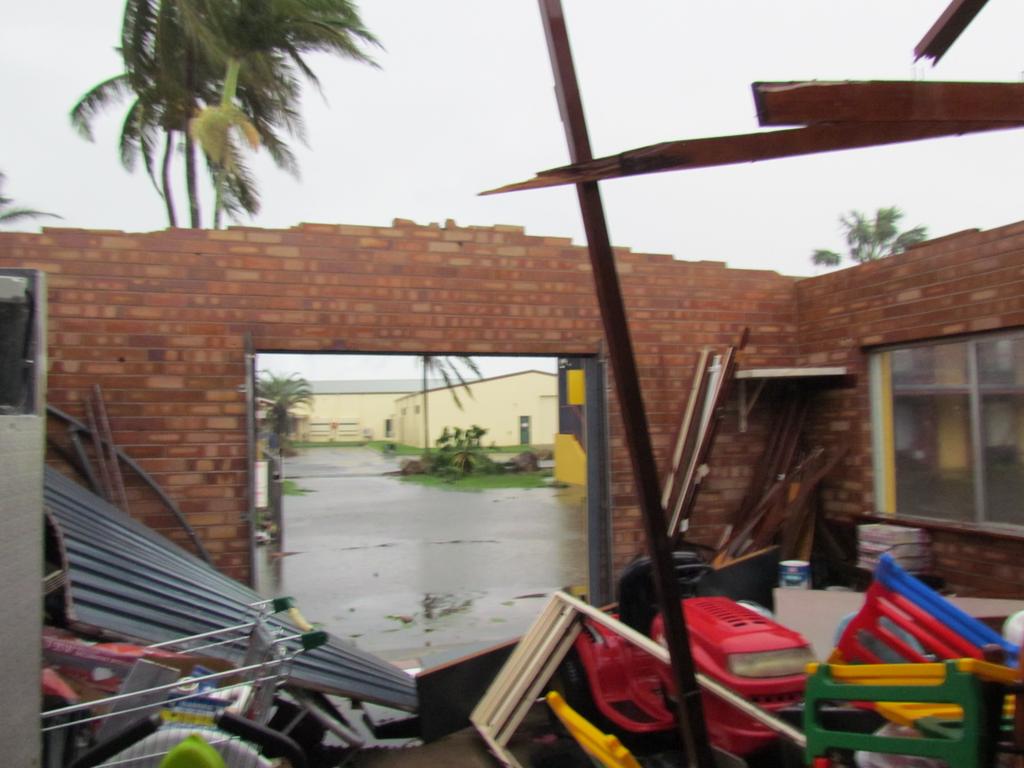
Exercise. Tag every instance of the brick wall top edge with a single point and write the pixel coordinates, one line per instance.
(945, 245)
(54, 235)
(994, 233)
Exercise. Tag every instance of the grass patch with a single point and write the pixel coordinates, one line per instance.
(291, 488)
(409, 450)
(526, 480)
(516, 449)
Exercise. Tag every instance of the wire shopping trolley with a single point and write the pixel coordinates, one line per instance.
(205, 718)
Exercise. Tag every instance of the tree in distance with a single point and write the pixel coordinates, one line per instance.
(870, 239)
(447, 368)
(283, 393)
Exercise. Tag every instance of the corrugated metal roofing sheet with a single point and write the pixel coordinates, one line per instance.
(128, 580)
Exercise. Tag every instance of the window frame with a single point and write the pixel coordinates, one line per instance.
(882, 420)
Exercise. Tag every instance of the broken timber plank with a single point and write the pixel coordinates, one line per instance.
(689, 154)
(697, 469)
(882, 101)
(947, 28)
(685, 436)
(690, 717)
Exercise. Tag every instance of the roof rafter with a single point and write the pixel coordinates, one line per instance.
(689, 154)
(947, 28)
(835, 116)
(809, 103)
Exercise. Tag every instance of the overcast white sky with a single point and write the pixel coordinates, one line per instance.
(369, 367)
(464, 102)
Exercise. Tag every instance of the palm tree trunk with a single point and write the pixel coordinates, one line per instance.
(426, 419)
(165, 179)
(195, 219)
(190, 148)
(227, 98)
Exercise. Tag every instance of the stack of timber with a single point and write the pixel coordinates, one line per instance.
(776, 518)
(709, 392)
(778, 508)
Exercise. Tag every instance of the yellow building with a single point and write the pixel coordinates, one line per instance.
(347, 410)
(515, 409)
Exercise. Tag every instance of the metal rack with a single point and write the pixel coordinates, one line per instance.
(217, 717)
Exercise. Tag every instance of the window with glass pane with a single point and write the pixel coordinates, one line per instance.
(1001, 385)
(931, 431)
(950, 419)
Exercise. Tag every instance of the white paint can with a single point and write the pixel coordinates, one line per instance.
(795, 574)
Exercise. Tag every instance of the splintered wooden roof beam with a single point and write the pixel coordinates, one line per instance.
(947, 28)
(811, 103)
(689, 712)
(689, 154)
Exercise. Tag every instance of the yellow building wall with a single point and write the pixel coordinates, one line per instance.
(570, 460)
(346, 417)
(495, 404)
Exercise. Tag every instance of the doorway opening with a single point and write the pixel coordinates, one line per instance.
(400, 558)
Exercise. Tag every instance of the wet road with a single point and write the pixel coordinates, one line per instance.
(403, 569)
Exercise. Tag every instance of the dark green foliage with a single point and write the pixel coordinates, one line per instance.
(447, 367)
(284, 393)
(871, 239)
(175, 55)
(11, 215)
(460, 453)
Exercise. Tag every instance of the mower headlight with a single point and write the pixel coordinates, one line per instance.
(790, 661)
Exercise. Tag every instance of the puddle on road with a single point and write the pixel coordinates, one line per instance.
(468, 541)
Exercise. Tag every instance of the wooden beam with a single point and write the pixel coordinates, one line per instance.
(690, 716)
(746, 148)
(809, 103)
(947, 28)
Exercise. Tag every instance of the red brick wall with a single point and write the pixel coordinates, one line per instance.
(965, 283)
(159, 321)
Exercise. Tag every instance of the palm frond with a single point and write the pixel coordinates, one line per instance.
(825, 258)
(112, 90)
(14, 215)
(910, 238)
(448, 368)
(213, 128)
(239, 194)
(10, 215)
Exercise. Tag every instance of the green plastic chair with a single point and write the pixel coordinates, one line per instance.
(976, 687)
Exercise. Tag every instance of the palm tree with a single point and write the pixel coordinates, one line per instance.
(164, 80)
(445, 367)
(285, 393)
(175, 54)
(12, 215)
(868, 240)
(269, 37)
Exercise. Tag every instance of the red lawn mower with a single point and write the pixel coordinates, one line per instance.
(625, 690)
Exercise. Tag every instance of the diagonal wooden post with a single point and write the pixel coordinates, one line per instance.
(627, 384)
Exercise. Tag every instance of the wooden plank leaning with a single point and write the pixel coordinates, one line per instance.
(520, 682)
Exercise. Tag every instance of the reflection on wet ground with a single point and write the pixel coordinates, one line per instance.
(402, 569)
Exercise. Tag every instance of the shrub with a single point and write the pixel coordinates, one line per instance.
(459, 453)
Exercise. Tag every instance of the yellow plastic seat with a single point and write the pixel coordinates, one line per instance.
(603, 747)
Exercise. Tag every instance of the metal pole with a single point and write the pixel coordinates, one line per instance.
(627, 384)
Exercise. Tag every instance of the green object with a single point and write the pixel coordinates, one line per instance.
(934, 726)
(972, 745)
(313, 639)
(193, 752)
(282, 604)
